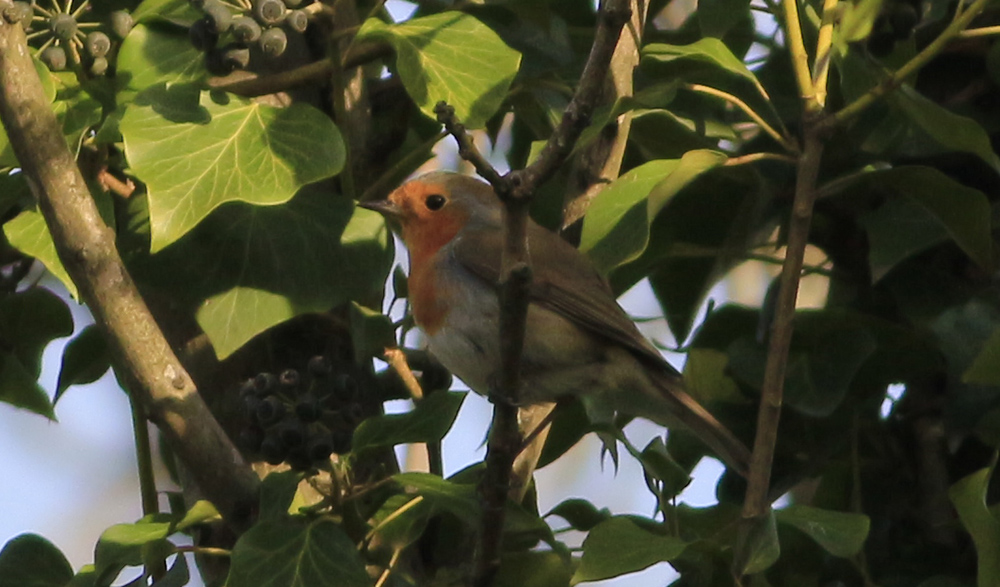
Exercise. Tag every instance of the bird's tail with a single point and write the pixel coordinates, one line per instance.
(668, 403)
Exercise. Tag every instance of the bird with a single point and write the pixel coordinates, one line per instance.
(578, 340)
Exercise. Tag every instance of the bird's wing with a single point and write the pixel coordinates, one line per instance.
(564, 281)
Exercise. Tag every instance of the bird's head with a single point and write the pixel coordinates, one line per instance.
(430, 210)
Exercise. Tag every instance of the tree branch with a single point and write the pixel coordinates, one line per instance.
(515, 190)
(756, 503)
(86, 247)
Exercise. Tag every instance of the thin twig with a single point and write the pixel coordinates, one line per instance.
(86, 247)
(986, 31)
(397, 360)
(111, 183)
(787, 143)
(754, 157)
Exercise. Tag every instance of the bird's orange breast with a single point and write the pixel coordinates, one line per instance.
(427, 298)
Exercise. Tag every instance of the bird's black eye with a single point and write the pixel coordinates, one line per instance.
(435, 202)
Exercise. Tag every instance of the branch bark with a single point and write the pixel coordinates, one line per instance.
(515, 190)
(86, 247)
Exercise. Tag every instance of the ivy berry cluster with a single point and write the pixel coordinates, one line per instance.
(300, 417)
(66, 38)
(231, 29)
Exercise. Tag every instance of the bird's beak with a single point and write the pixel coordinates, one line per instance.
(385, 207)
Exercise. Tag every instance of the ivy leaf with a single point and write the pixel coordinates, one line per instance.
(372, 332)
(759, 549)
(969, 497)
(452, 57)
(616, 228)
(85, 359)
(156, 54)
(429, 421)
(618, 546)
(290, 553)
(29, 560)
(401, 520)
(197, 153)
(839, 533)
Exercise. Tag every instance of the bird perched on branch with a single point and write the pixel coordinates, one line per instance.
(578, 340)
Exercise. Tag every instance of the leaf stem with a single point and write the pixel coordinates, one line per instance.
(800, 59)
(824, 52)
(787, 143)
(144, 458)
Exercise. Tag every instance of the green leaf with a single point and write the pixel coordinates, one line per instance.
(839, 533)
(758, 546)
(201, 512)
(429, 421)
(277, 491)
(986, 368)
(29, 320)
(29, 560)
(618, 546)
(259, 266)
(122, 545)
(29, 234)
(934, 206)
(195, 156)
(291, 553)
(177, 575)
(85, 359)
(152, 55)
(452, 57)
(150, 9)
(856, 22)
(827, 351)
(20, 389)
(616, 228)
(969, 497)
(401, 520)
(952, 131)
(717, 17)
(458, 498)
(371, 331)
(533, 569)
(707, 50)
(580, 513)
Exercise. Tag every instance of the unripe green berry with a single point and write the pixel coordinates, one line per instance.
(98, 44)
(219, 17)
(268, 12)
(246, 29)
(121, 23)
(54, 58)
(273, 42)
(99, 66)
(297, 20)
(63, 26)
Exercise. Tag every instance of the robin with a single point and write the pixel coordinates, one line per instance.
(578, 341)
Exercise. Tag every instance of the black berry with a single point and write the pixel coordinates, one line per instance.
(270, 411)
